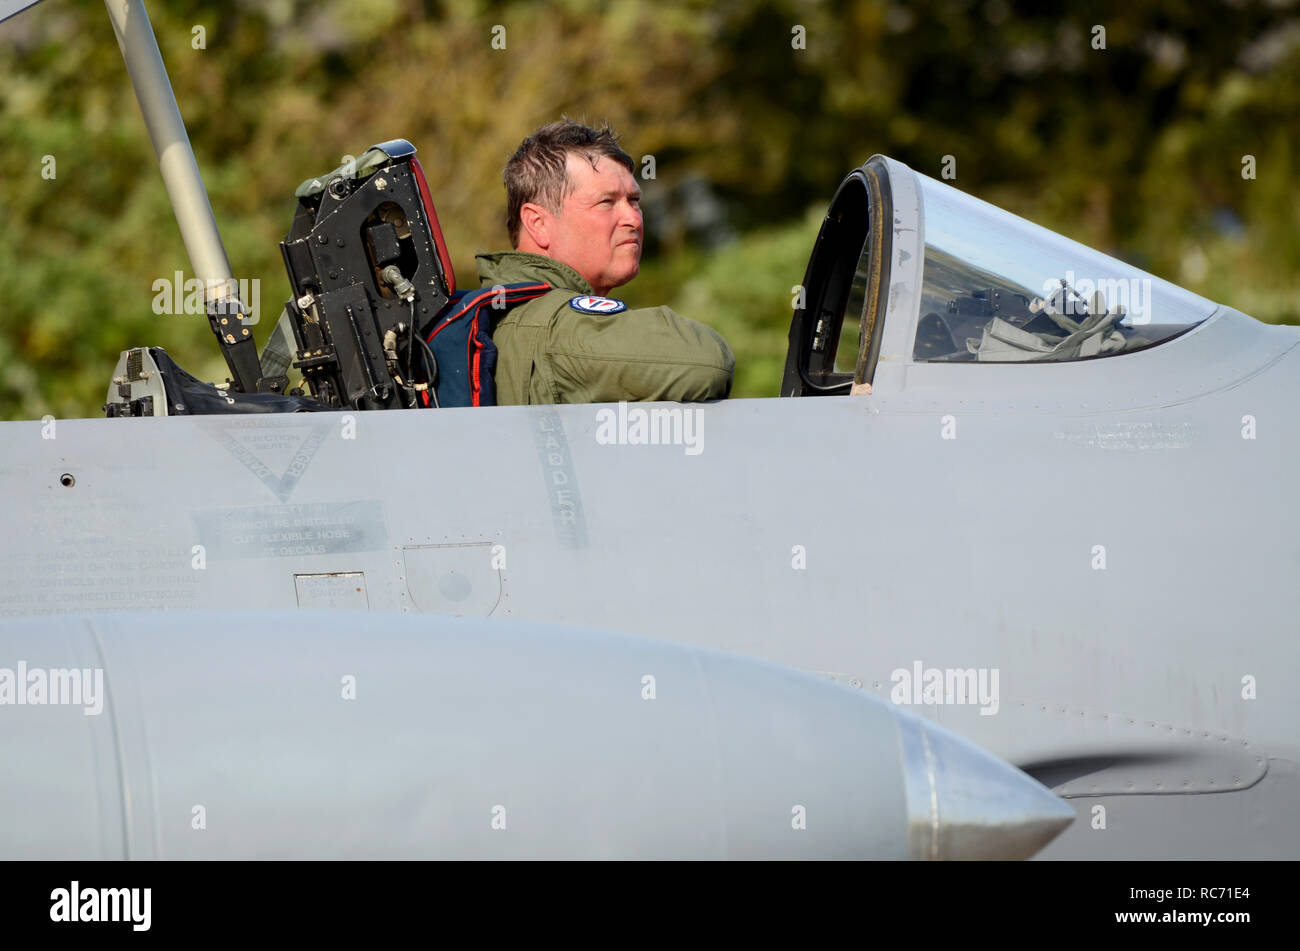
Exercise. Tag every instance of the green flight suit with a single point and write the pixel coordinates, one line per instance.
(548, 352)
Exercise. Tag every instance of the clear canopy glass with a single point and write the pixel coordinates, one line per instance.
(999, 289)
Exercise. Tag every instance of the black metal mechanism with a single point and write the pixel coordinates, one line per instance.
(226, 316)
(853, 244)
(148, 382)
(368, 265)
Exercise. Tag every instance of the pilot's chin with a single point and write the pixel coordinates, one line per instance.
(628, 275)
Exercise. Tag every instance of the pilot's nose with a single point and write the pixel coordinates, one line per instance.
(631, 216)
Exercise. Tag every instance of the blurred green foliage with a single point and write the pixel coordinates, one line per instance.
(1136, 148)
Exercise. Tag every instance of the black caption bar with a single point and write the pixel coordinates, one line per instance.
(140, 901)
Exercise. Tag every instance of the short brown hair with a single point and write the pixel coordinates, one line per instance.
(537, 171)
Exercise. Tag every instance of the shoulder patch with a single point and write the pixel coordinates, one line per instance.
(590, 304)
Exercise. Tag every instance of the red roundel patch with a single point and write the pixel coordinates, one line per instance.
(590, 304)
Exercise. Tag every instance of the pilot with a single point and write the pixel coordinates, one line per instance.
(574, 216)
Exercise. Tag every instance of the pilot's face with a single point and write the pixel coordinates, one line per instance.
(598, 231)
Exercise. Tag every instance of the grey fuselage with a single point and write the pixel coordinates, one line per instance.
(1099, 533)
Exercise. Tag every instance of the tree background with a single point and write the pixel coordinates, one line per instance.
(1136, 149)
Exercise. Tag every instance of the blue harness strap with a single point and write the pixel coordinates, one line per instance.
(461, 342)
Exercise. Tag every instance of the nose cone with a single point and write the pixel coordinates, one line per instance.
(964, 803)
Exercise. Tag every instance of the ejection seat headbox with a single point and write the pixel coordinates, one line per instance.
(367, 262)
(372, 281)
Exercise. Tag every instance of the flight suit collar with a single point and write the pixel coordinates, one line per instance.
(513, 267)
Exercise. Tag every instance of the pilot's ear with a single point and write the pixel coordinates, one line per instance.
(536, 221)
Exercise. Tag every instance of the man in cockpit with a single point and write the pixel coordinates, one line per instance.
(574, 217)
